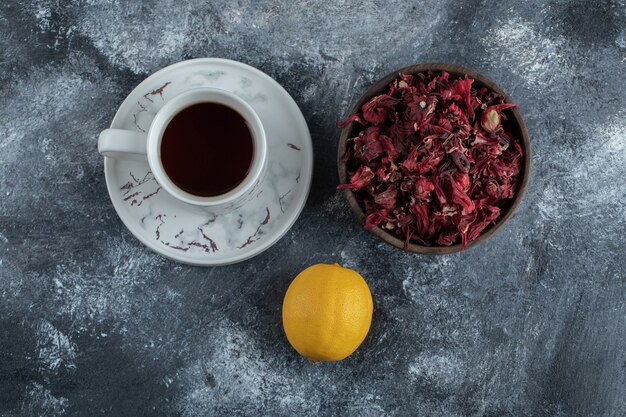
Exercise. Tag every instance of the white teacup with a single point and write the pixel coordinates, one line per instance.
(133, 145)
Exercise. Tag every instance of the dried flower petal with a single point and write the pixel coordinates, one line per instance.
(421, 216)
(490, 120)
(423, 188)
(387, 198)
(360, 178)
(388, 146)
(375, 110)
(375, 218)
(366, 145)
(457, 196)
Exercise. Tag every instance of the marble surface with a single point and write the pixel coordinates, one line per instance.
(532, 323)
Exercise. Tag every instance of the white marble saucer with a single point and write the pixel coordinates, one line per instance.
(188, 234)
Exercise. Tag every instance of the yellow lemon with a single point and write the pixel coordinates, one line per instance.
(327, 312)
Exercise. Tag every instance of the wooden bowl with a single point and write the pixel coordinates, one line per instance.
(515, 124)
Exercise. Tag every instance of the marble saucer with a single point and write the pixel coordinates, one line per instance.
(186, 233)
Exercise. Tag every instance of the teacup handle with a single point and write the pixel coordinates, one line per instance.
(123, 144)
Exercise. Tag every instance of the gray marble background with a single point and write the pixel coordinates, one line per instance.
(533, 323)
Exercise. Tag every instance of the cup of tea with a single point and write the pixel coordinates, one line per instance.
(205, 147)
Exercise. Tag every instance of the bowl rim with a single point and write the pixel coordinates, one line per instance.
(455, 71)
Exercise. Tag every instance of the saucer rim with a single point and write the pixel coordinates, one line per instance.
(306, 178)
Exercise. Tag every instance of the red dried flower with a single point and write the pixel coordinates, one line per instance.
(433, 162)
(490, 120)
(360, 178)
(375, 110)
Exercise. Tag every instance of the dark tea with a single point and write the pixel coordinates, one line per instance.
(207, 149)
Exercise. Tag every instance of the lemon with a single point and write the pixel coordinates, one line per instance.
(327, 312)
